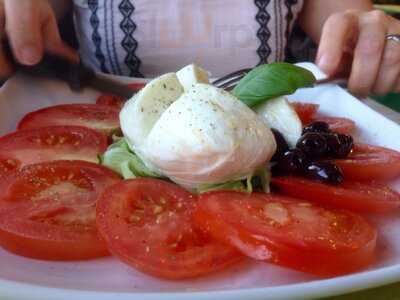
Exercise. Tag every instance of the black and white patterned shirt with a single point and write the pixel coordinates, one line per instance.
(150, 37)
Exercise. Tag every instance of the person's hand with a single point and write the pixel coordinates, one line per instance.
(374, 66)
(30, 26)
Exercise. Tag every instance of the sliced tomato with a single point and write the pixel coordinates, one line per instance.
(306, 111)
(362, 197)
(280, 230)
(336, 124)
(117, 101)
(30, 146)
(111, 100)
(48, 210)
(367, 162)
(7, 165)
(147, 223)
(102, 118)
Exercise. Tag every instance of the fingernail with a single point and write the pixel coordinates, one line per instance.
(29, 55)
(325, 64)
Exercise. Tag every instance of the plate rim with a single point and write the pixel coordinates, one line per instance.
(308, 290)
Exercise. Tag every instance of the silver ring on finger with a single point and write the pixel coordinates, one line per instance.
(393, 37)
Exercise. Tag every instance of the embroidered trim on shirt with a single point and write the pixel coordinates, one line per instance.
(96, 38)
(107, 38)
(282, 48)
(129, 43)
(114, 41)
(279, 35)
(110, 41)
(289, 19)
(263, 33)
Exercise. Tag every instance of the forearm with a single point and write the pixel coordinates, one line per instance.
(61, 7)
(316, 12)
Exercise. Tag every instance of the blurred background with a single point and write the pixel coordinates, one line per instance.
(391, 7)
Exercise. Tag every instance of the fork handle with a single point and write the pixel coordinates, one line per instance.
(342, 81)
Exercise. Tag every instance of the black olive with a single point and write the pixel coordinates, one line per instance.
(292, 162)
(313, 144)
(339, 145)
(324, 171)
(347, 142)
(316, 127)
(281, 145)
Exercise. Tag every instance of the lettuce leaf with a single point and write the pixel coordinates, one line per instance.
(124, 161)
(258, 181)
(230, 186)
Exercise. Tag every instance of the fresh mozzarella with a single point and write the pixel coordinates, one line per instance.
(280, 115)
(208, 136)
(140, 113)
(190, 75)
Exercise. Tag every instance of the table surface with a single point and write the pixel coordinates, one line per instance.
(389, 292)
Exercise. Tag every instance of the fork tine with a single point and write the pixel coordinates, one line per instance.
(230, 88)
(231, 83)
(221, 80)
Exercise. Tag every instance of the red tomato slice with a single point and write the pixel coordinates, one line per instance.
(147, 223)
(7, 165)
(306, 111)
(280, 230)
(111, 100)
(47, 210)
(367, 162)
(102, 118)
(356, 196)
(30, 146)
(117, 101)
(336, 124)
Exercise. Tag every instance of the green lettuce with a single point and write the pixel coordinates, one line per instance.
(258, 181)
(120, 158)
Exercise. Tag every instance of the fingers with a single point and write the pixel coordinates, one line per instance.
(53, 42)
(336, 34)
(24, 30)
(31, 29)
(5, 66)
(389, 70)
(368, 53)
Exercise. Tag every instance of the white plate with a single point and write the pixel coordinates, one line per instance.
(22, 278)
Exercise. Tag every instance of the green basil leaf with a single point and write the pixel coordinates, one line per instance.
(270, 81)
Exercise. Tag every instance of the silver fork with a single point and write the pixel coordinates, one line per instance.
(229, 81)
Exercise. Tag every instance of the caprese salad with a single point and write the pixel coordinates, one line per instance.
(186, 179)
